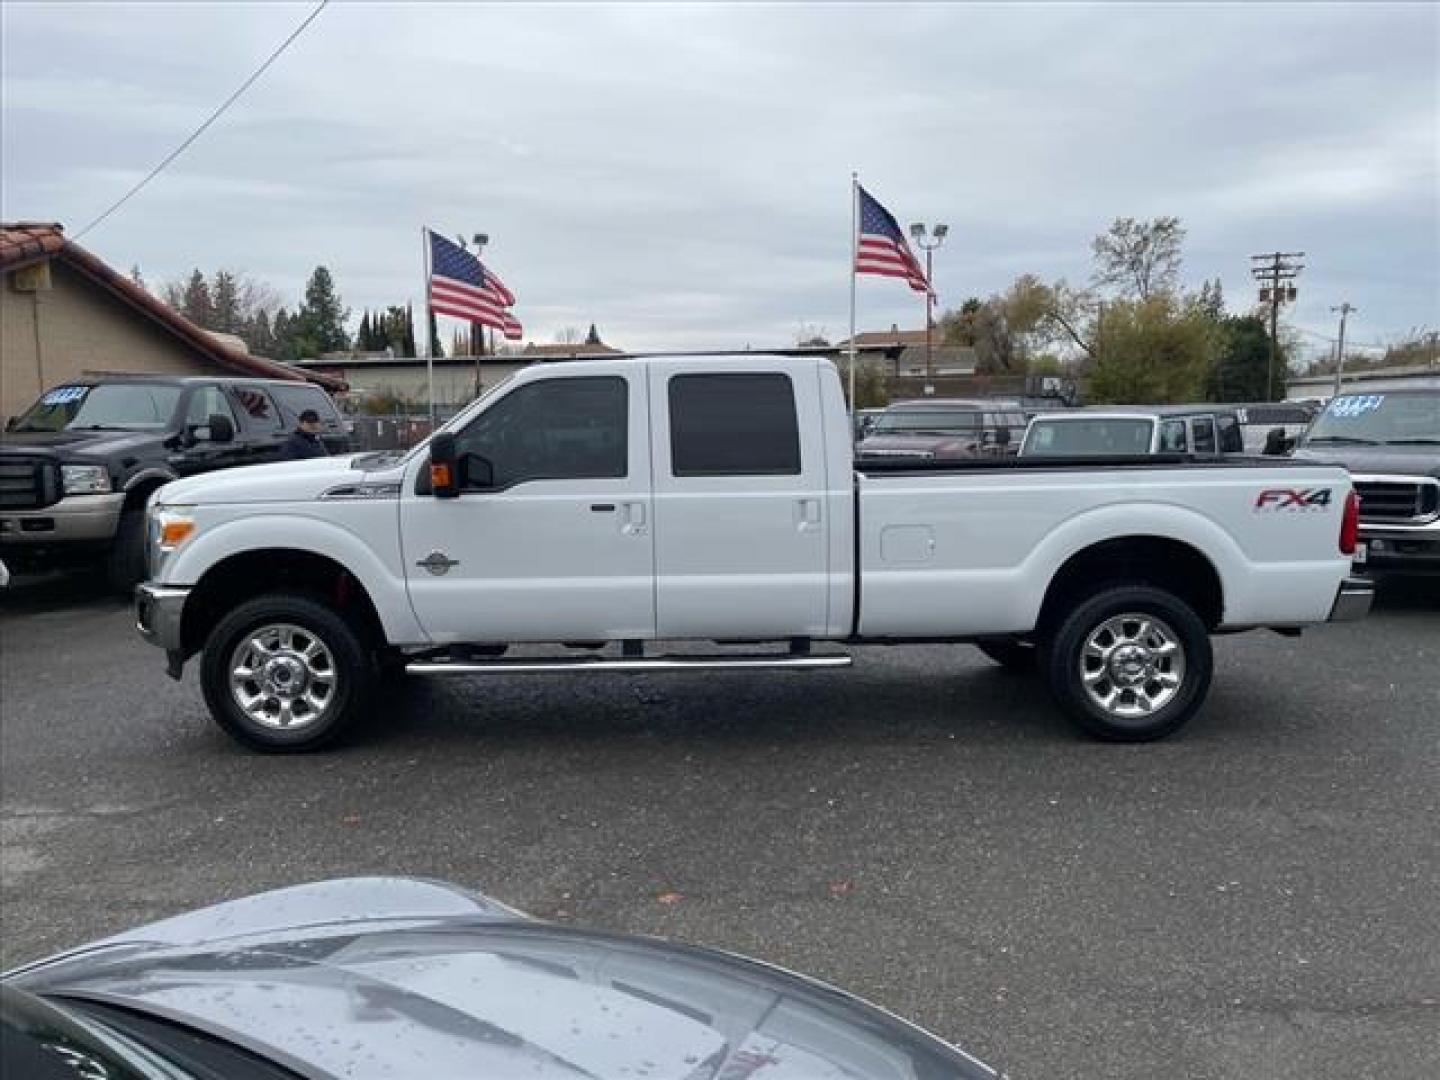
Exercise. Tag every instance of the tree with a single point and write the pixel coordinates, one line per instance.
(284, 333)
(1139, 258)
(407, 332)
(136, 276)
(436, 349)
(1241, 368)
(195, 303)
(958, 327)
(568, 335)
(258, 335)
(1212, 300)
(321, 319)
(1152, 352)
(363, 339)
(225, 314)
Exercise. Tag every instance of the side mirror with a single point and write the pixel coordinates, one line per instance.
(444, 470)
(222, 430)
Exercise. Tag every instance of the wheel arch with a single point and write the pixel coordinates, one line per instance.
(1163, 562)
(243, 576)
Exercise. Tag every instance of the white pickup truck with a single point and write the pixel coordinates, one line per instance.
(605, 505)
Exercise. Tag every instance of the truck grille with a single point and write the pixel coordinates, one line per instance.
(27, 482)
(1399, 500)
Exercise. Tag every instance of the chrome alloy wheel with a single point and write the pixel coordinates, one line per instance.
(1132, 665)
(283, 676)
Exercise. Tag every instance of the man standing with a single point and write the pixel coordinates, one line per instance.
(305, 441)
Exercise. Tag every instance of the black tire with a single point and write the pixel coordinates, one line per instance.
(125, 565)
(345, 697)
(1015, 656)
(1171, 619)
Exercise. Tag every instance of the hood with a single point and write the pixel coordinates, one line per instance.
(68, 445)
(285, 481)
(406, 972)
(1379, 460)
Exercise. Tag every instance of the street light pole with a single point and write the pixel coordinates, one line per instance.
(929, 240)
(1344, 309)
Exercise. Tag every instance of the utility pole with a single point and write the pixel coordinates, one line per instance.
(1271, 270)
(1345, 310)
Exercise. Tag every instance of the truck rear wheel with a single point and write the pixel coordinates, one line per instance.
(1130, 663)
(286, 673)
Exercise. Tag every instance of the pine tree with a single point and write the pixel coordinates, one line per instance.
(408, 339)
(322, 317)
(283, 331)
(195, 302)
(363, 341)
(225, 303)
(435, 348)
(259, 336)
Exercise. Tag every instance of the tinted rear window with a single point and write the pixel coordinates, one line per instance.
(733, 425)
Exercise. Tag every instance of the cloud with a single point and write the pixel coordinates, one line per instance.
(679, 174)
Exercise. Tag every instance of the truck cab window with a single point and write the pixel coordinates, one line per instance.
(559, 429)
(1172, 437)
(733, 425)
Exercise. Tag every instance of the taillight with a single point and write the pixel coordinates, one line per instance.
(1350, 524)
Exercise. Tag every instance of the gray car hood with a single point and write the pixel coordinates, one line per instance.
(381, 978)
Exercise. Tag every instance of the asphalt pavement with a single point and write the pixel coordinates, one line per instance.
(1256, 897)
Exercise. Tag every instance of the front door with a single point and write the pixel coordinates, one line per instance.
(202, 455)
(559, 546)
(741, 508)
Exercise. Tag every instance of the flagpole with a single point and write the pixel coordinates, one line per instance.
(854, 256)
(429, 322)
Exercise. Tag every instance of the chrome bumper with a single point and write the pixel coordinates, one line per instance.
(75, 517)
(158, 611)
(1353, 600)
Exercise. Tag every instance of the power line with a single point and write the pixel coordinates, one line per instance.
(212, 118)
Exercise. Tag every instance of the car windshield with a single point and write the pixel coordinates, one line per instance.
(123, 406)
(923, 420)
(1396, 419)
(1066, 438)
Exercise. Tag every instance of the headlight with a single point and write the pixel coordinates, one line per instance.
(85, 479)
(169, 527)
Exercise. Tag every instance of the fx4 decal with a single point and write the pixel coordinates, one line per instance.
(1293, 499)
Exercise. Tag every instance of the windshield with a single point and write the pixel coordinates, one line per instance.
(1394, 419)
(927, 420)
(123, 406)
(1066, 438)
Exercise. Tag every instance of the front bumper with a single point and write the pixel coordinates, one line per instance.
(75, 524)
(1353, 600)
(1409, 549)
(159, 615)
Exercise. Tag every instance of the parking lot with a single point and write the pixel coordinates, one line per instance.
(1256, 897)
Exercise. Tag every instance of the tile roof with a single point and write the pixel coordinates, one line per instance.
(578, 349)
(26, 242)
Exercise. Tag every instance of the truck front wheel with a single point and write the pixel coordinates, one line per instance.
(1130, 663)
(285, 673)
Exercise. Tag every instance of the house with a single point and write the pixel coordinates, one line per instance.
(905, 352)
(591, 346)
(64, 313)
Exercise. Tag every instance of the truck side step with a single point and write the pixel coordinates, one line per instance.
(620, 663)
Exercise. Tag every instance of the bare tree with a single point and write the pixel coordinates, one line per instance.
(1139, 258)
(569, 335)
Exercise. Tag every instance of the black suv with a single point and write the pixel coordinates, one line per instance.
(77, 467)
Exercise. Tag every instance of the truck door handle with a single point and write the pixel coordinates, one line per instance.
(634, 519)
(603, 508)
(807, 517)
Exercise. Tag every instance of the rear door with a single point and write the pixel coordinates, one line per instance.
(295, 398)
(741, 514)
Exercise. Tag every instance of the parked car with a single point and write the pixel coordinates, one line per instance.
(77, 467)
(944, 430)
(1134, 431)
(396, 977)
(1388, 435)
(716, 499)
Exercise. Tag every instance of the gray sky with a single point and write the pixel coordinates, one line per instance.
(679, 174)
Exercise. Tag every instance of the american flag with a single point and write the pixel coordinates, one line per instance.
(461, 286)
(883, 248)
